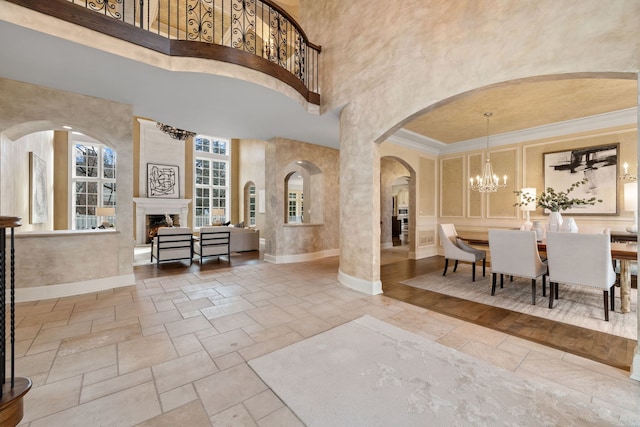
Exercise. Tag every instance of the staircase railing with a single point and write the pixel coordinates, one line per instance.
(254, 33)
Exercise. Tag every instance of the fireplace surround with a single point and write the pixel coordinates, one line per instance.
(177, 208)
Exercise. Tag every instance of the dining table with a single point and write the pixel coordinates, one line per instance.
(624, 252)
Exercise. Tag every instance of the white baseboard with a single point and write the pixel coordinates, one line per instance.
(289, 259)
(635, 365)
(73, 288)
(364, 286)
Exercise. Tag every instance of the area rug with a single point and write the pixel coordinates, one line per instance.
(370, 373)
(578, 305)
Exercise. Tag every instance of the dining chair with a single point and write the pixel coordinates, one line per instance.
(515, 253)
(582, 259)
(458, 250)
(213, 241)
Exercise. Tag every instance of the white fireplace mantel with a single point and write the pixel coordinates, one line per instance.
(156, 206)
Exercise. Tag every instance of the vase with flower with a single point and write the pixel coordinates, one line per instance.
(556, 202)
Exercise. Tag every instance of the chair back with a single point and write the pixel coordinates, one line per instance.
(580, 259)
(213, 241)
(448, 237)
(515, 252)
(173, 243)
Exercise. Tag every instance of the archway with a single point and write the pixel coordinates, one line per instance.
(397, 209)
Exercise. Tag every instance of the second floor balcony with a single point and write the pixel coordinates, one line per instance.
(252, 33)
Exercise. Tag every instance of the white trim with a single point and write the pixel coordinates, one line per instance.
(73, 288)
(360, 285)
(289, 259)
(635, 366)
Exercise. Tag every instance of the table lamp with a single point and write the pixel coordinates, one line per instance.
(528, 197)
(631, 203)
(104, 213)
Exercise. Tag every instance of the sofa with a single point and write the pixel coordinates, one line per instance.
(243, 239)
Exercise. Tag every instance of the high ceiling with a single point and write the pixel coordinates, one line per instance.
(523, 105)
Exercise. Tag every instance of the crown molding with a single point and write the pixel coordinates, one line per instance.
(415, 141)
(418, 142)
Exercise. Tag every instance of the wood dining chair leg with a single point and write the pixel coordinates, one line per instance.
(606, 305)
(550, 294)
(533, 291)
(455, 266)
(544, 287)
(446, 265)
(484, 266)
(555, 289)
(493, 283)
(473, 272)
(501, 281)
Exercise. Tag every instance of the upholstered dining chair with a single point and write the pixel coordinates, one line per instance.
(582, 259)
(457, 249)
(515, 253)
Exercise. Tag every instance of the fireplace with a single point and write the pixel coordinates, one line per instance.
(154, 222)
(177, 209)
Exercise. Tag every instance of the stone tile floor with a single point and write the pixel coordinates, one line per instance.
(172, 351)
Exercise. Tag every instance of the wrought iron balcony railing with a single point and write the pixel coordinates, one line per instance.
(254, 33)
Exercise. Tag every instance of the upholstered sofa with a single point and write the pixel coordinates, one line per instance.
(243, 239)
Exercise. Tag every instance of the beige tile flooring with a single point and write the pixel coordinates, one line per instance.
(172, 351)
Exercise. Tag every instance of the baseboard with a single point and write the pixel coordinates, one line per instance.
(364, 286)
(73, 288)
(289, 259)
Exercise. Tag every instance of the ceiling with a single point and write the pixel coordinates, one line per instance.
(523, 105)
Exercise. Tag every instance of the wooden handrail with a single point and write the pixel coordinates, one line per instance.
(287, 55)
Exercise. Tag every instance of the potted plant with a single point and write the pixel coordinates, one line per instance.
(556, 202)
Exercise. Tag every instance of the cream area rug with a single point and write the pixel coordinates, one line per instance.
(370, 373)
(578, 305)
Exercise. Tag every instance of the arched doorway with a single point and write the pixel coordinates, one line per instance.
(397, 209)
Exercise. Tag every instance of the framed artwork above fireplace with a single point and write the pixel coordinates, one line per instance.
(162, 181)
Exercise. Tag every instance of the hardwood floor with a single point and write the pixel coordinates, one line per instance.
(605, 348)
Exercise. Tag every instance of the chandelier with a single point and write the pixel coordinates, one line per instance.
(174, 132)
(488, 182)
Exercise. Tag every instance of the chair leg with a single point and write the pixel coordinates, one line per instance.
(484, 266)
(550, 293)
(501, 280)
(606, 305)
(544, 287)
(493, 283)
(455, 266)
(533, 291)
(446, 265)
(556, 287)
(473, 272)
(613, 297)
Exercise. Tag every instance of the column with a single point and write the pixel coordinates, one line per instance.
(359, 208)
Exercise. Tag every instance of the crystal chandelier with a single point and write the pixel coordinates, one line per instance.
(488, 182)
(174, 132)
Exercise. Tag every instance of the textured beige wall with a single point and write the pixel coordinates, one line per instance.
(26, 108)
(430, 50)
(282, 239)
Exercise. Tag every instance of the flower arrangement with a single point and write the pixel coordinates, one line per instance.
(556, 201)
